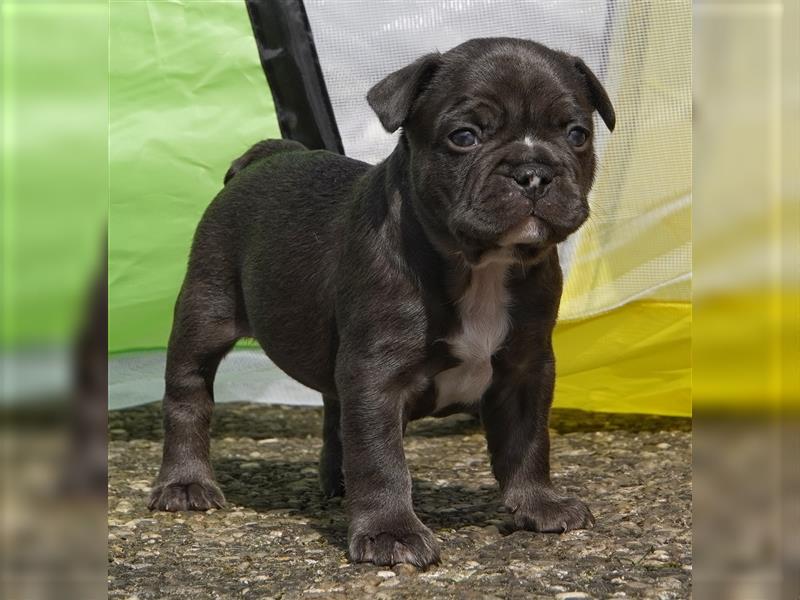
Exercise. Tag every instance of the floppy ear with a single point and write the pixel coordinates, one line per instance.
(393, 97)
(598, 95)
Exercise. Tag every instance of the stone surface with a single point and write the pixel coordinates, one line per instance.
(278, 537)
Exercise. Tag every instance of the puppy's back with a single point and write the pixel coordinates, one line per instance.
(272, 237)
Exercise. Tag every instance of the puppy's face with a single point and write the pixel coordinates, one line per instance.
(500, 134)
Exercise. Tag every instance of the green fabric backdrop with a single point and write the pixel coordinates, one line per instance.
(187, 96)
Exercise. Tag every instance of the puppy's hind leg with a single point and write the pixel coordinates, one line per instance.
(203, 331)
(330, 460)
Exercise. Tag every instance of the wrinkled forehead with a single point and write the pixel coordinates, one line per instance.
(508, 87)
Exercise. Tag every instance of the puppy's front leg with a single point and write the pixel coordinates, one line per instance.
(515, 412)
(383, 527)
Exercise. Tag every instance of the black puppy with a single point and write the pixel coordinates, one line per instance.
(425, 285)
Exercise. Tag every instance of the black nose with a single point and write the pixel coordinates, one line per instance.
(533, 177)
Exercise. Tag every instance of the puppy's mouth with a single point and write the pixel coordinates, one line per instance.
(530, 231)
(538, 232)
(516, 224)
(523, 243)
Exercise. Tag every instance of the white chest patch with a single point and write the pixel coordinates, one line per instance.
(483, 312)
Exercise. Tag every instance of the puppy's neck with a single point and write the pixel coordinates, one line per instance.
(422, 236)
(415, 212)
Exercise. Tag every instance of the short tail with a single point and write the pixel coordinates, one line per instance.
(261, 150)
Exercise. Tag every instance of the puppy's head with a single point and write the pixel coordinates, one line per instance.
(500, 136)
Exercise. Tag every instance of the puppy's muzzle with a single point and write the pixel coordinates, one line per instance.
(555, 205)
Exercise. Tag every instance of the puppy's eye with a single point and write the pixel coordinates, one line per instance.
(463, 138)
(577, 136)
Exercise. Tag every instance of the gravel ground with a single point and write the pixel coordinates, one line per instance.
(278, 538)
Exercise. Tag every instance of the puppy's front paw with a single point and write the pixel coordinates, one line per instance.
(386, 543)
(550, 513)
(197, 495)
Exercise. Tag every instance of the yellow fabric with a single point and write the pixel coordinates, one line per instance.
(635, 359)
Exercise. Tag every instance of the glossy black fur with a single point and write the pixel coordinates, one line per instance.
(349, 275)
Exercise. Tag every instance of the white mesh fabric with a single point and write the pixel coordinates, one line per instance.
(361, 41)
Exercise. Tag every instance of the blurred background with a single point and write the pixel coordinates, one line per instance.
(746, 345)
(52, 284)
(120, 118)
